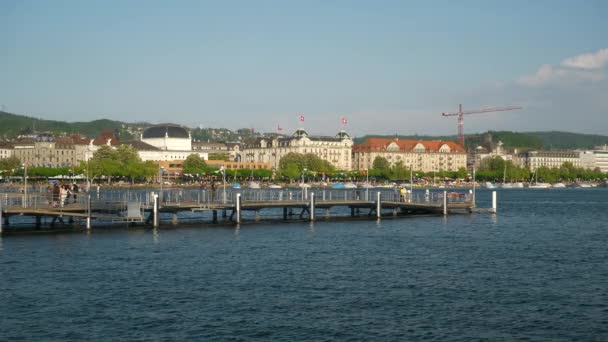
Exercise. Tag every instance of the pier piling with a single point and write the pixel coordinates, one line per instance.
(378, 206)
(312, 206)
(445, 203)
(155, 211)
(238, 208)
(493, 202)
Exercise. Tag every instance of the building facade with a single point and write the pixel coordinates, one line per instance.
(421, 155)
(532, 160)
(6, 149)
(336, 150)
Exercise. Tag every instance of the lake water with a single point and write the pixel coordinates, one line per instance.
(537, 271)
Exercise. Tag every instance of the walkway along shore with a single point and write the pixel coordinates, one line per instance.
(19, 212)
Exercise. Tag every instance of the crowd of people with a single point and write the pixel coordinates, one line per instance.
(60, 195)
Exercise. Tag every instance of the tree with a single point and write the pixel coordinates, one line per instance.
(9, 163)
(381, 163)
(194, 164)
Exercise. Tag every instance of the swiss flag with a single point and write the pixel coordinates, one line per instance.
(279, 128)
(302, 118)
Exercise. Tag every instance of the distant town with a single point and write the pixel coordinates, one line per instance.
(301, 154)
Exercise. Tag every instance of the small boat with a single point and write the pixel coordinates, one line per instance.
(558, 185)
(539, 186)
(489, 185)
(275, 186)
(236, 185)
(518, 185)
(338, 186)
(304, 185)
(350, 186)
(506, 186)
(254, 185)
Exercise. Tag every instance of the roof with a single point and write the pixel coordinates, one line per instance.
(381, 144)
(169, 130)
(140, 145)
(103, 138)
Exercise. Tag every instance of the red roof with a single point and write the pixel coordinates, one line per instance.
(103, 137)
(381, 144)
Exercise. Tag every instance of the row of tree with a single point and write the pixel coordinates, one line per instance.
(496, 169)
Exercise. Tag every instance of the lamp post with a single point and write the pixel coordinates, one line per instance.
(25, 185)
(224, 180)
(303, 173)
(367, 184)
(161, 169)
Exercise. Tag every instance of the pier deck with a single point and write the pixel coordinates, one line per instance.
(150, 210)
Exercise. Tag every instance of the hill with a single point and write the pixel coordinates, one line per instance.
(12, 125)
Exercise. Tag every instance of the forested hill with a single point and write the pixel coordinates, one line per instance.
(12, 125)
(552, 140)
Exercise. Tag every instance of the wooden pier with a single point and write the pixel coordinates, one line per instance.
(240, 207)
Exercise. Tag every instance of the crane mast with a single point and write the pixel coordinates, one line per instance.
(460, 113)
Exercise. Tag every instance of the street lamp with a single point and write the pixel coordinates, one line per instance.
(303, 173)
(161, 169)
(224, 180)
(367, 184)
(25, 185)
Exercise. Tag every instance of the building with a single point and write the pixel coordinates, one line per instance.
(421, 155)
(230, 151)
(480, 153)
(532, 160)
(6, 149)
(168, 137)
(336, 150)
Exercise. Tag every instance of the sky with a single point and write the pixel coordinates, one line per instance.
(387, 67)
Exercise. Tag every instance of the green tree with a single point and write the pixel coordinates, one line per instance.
(194, 164)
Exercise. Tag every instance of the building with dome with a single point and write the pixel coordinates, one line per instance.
(336, 150)
(168, 137)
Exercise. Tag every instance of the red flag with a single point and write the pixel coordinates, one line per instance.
(279, 128)
(344, 122)
(302, 118)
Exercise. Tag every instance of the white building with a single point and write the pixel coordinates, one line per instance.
(336, 150)
(533, 160)
(168, 137)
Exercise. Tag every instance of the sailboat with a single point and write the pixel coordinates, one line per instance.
(253, 184)
(235, 184)
(536, 184)
(505, 185)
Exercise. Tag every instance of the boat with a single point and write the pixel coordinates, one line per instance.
(338, 186)
(539, 186)
(518, 185)
(236, 185)
(506, 186)
(275, 186)
(558, 185)
(350, 186)
(489, 185)
(534, 184)
(254, 185)
(304, 185)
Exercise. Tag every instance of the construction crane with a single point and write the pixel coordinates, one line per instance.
(461, 114)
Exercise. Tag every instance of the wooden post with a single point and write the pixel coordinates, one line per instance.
(238, 208)
(493, 202)
(155, 211)
(445, 203)
(378, 206)
(312, 206)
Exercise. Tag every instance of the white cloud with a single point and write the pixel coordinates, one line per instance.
(581, 68)
(588, 61)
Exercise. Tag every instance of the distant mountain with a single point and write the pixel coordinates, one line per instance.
(12, 125)
(551, 140)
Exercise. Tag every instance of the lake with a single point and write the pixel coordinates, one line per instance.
(537, 271)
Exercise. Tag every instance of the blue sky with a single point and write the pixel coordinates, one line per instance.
(387, 66)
